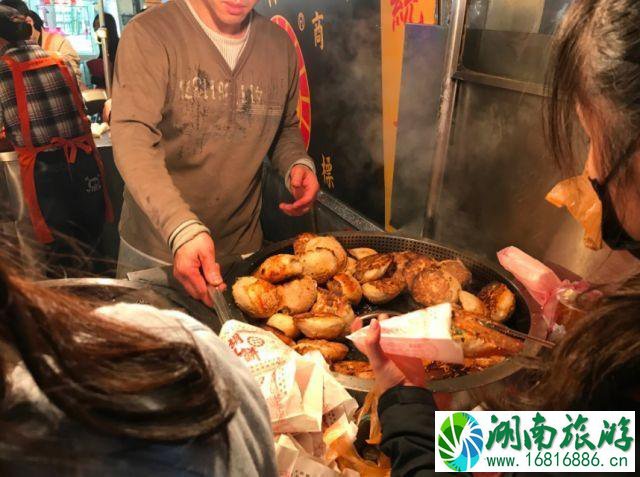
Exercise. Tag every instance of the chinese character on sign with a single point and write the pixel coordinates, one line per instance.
(234, 341)
(249, 354)
(403, 12)
(301, 21)
(273, 3)
(539, 431)
(327, 172)
(503, 433)
(624, 442)
(582, 439)
(608, 434)
(318, 30)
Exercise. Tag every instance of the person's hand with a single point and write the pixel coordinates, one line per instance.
(304, 187)
(106, 111)
(195, 267)
(389, 370)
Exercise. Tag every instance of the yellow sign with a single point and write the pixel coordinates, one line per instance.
(318, 30)
(395, 14)
(327, 172)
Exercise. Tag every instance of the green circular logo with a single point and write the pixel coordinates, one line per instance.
(460, 441)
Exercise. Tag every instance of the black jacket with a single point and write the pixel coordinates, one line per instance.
(407, 417)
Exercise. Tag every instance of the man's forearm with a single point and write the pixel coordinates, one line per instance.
(185, 232)
(138, 160)
(306, 162)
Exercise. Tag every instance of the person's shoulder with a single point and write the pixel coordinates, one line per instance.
(62, 41)
(270, 30)
(158, 13)
(23, 51)
(154, 20)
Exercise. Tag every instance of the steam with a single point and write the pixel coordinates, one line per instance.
(349, 97)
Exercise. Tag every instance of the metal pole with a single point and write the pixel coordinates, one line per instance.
(103, 35)
(445, 118)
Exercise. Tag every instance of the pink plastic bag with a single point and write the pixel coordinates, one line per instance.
(540, 281)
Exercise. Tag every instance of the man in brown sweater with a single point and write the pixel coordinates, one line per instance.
(203, 91)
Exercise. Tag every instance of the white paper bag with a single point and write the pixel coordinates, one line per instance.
(303, 398)
(312, 443)
(304, 415)
(304, 464)
(335, 396)
(272, 364)
(286, 455)
(424, 334)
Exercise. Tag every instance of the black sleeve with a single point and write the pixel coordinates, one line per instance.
(407, 418)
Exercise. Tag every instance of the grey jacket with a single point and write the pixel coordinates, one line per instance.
(244, 448)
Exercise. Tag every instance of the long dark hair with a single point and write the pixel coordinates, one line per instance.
(595, 67)
(110, 376)
(595, 367)
(112, 34)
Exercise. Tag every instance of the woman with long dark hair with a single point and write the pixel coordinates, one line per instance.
(594, 81)
(124, 389)
(96, 66)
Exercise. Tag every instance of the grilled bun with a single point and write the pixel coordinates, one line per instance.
(499, 301)
(279, 268)
(320, 264)
(329, 243)
(347, 286)
(297, 296)
(433, 286)
(326, 327)
(285, 324)
(256, 297)
(331, 351)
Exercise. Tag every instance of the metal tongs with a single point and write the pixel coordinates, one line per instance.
(493, 325)
(505, 330)
(220, 304)
(375, 314)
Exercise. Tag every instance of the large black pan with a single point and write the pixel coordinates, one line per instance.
(525, 318)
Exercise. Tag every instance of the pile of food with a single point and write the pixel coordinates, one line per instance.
(307, 299)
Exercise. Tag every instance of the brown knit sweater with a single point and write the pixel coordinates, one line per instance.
(189, 134)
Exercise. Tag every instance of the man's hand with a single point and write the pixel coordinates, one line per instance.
(195, 267)
(304, 187)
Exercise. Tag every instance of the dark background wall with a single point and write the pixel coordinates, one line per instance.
(346, 87)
